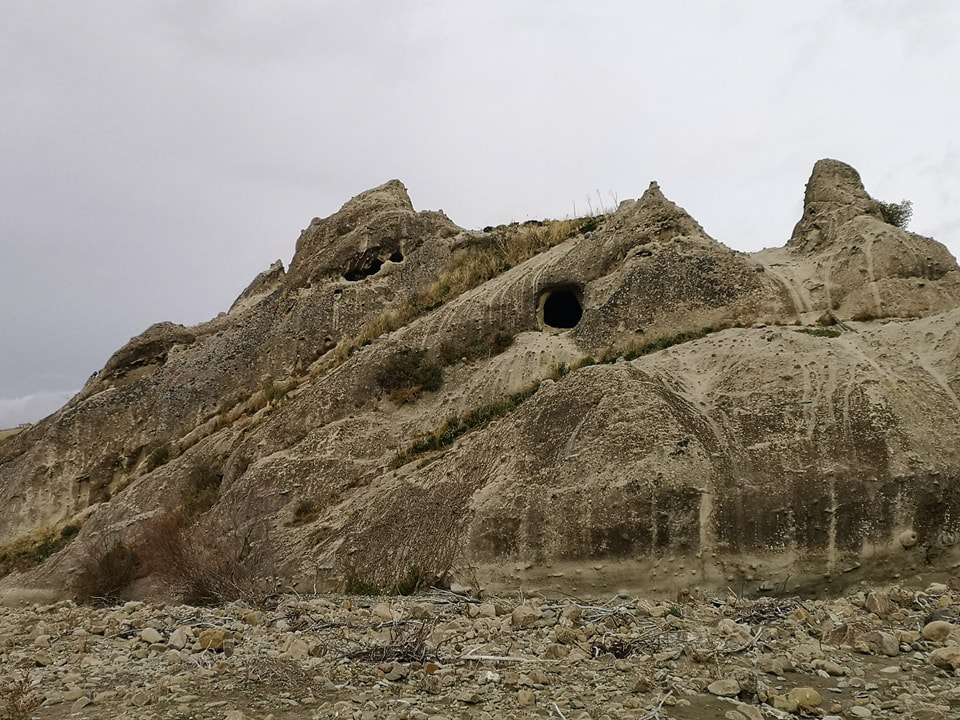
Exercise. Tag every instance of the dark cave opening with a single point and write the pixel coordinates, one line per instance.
(371, 267)
(561, 307)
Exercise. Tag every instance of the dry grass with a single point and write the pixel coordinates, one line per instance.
(32, 549)
(6, 435)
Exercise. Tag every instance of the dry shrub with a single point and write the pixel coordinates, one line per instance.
(17, 698)
(205, 564)
(409, 642)
(106, 568)
(277, 674)
(30, 550)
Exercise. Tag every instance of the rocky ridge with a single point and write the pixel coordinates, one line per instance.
(616, 404)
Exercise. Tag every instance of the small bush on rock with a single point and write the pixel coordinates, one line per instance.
(897, 214)
(204, 476)
(408, 374)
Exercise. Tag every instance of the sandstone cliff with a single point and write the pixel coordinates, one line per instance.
(581, 406)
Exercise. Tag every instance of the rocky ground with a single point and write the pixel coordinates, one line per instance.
(881, 654)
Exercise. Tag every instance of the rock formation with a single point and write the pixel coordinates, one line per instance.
(582, 406)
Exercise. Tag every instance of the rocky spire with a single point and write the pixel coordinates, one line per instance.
(834, 196)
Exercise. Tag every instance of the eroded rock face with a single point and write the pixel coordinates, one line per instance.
(758, 448)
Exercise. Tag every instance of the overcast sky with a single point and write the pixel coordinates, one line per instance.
(157, 155)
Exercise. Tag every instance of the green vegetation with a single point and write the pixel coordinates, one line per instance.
(824, 332)
(304, 511)
(203, 478)
(665, 342)
(355, 585)
(897, 214)
(454, 427)
(31, 550)
(408, 374)
(158, 452)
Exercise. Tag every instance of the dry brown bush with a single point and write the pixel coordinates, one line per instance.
(107, 567)
(205, 564)
(17, 698)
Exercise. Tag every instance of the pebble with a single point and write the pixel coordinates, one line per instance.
(620, 657)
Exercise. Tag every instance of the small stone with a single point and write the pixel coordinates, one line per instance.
(525, 698)
(150, 635)
(641, 684)
(879, 604)
(727, 687)
(296, 648)
(878, 642)
(41, 641)
(524, 616)
(79, 704)
(468, 697)
(487, 610)
(908, 538)
(253, 618)
(947, 658)
(384, 612)
(460, 589)
(782, 702)
(859, 711)
(805, 697)
(751, 712)
(555, 651)
(72, 695)
(52, 698)
(938, 630)
(178, 639)
(829, 667)
(235, 715)
(398, 672)
(212, 638)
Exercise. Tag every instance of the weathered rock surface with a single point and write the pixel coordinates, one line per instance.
(440, 656)
(761, 450)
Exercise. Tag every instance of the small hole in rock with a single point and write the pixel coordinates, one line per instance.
(396, 257)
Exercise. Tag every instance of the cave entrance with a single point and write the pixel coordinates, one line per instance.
(560, 308)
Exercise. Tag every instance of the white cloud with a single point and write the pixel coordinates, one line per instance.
(31, 408)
